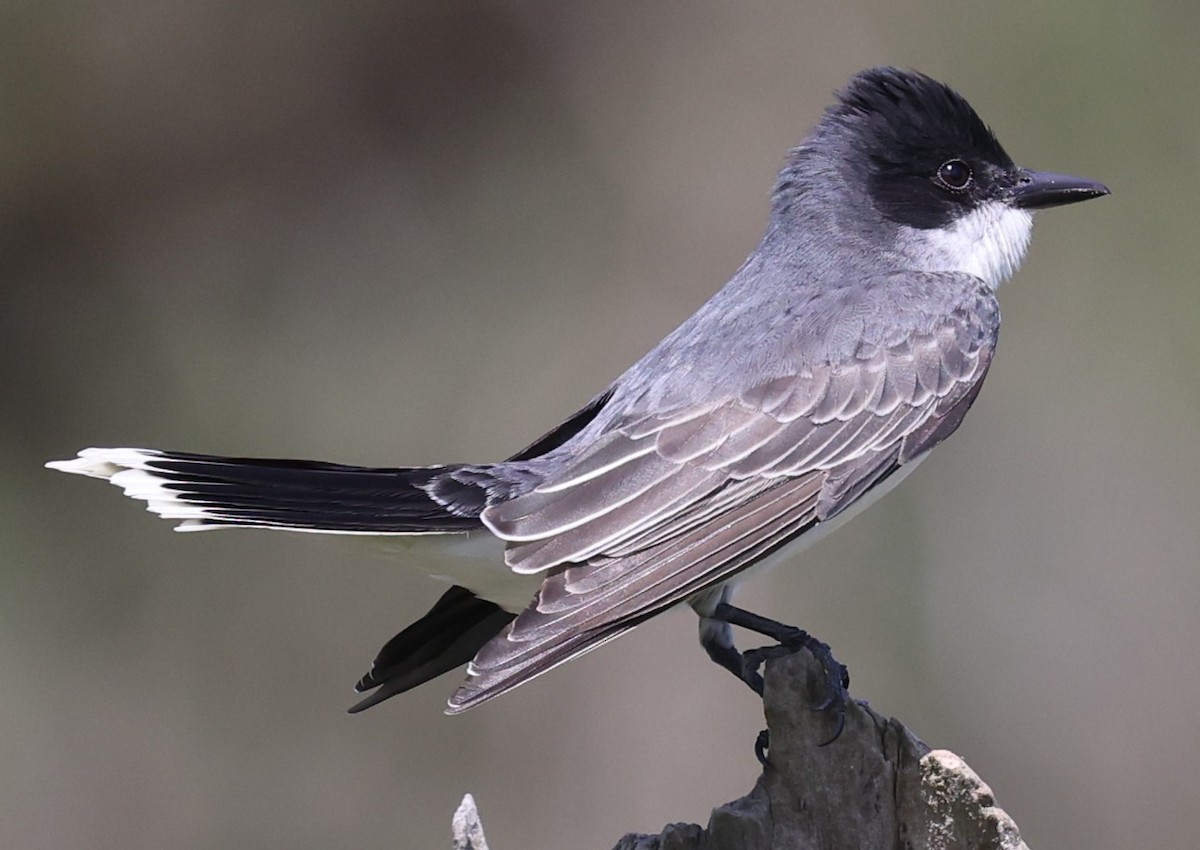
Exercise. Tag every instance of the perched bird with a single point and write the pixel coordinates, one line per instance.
(851, 342)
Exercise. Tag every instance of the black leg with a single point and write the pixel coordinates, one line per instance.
(736, 662)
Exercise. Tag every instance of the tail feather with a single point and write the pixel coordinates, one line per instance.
(206, 491)
(447, 637)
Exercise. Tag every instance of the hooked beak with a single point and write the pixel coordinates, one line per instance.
(1037, 190)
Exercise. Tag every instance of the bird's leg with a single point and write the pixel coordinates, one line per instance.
(717, 639)
(745, 665)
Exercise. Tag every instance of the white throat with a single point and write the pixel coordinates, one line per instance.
(989, 243)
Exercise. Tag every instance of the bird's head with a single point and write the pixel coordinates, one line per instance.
(912, 161)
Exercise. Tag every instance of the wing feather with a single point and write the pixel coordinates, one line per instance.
(697, 437)
(611, 454)
(582, 541)
(543, 513)
(542, 637)
(672, 504)
(661, 567)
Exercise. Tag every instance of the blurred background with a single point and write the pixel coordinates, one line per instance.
(410, 232)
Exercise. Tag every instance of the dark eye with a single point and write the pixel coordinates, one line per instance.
(954, 175)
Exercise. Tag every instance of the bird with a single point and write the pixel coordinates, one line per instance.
(850, 343)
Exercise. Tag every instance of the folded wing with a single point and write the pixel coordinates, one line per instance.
(664, 506)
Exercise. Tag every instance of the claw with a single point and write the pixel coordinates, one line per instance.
(841, 725)
(837, 680)
(761, 744)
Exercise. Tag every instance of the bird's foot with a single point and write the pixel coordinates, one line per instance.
(837, 678)
(746, 665)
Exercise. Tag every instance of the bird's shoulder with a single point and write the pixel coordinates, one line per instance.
(741, 341)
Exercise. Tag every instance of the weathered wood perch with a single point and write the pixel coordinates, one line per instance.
(876, 786)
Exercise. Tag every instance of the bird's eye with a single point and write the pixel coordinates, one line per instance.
(954, 175)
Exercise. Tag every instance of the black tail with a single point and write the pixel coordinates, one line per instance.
(447, 637)
(205, 491)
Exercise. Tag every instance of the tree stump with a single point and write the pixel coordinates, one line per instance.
(876, 787)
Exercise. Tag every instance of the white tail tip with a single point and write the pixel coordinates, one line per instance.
(104, 463)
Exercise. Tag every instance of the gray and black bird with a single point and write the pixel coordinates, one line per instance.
(852, 341)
